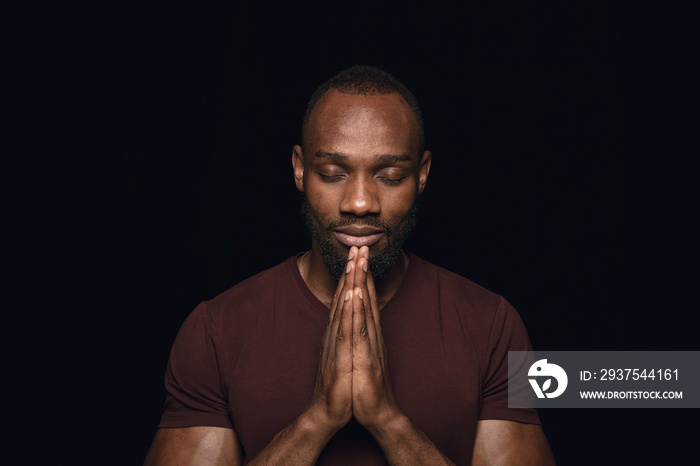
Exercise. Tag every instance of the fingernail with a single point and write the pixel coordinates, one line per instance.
(366, 253)
(347, 269)
(364, 266)
(351, 254)
(359, 292)
(347, 295)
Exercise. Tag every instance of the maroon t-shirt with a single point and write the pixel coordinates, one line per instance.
(247, 360)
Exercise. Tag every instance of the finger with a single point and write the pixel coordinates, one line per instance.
(362, 266)
(344, 330)
(373, 297)
(373, 314)
(361, 274)
(363, 252)
(338, 297)
(369, 316)
(334, 315)
(360, 335)
(330, 337)
(361, 282)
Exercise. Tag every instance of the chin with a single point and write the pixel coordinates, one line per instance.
(382, 255)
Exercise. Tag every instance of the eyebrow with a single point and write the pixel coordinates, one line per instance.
(383, 158)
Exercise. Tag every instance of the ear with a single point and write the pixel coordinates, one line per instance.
(423, 170)
(298, 167)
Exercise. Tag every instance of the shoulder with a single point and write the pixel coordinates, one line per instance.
(259, 286)
(451, 287)
(480, 312)
(257, 292)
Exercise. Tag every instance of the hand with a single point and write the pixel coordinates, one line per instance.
(331, 403)
(352, 380)
(373, 403)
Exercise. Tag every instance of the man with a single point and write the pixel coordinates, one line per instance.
(412, 366)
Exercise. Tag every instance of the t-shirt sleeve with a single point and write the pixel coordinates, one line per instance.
(195, 390)
(507, 333)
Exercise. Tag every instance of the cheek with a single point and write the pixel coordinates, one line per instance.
(321, 205)
(397, 204)
(319, 199)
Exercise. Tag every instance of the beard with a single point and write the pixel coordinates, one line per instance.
(380, 261)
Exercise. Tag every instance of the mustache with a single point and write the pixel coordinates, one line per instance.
(369, 221)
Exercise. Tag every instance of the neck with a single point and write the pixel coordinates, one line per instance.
(319, 280)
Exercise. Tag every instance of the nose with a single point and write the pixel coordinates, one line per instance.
(360, 198)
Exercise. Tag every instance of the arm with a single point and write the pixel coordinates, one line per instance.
(404, 443)
(193, 446)
(505, 443)
(331, 404)
(302, 441)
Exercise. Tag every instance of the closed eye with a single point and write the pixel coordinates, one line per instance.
(330, 178)
(392, 181)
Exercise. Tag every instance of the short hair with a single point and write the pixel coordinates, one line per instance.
(365, 80)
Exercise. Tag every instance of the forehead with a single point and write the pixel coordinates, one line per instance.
(381, 123)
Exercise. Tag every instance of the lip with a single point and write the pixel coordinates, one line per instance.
(358, 236)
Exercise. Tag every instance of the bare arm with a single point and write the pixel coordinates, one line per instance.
(301, 442)
(502, 443)
(404, 443)
(194, 446)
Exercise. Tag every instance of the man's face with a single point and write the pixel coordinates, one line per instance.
(361, 173)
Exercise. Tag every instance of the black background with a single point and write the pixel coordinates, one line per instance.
(152, 171)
